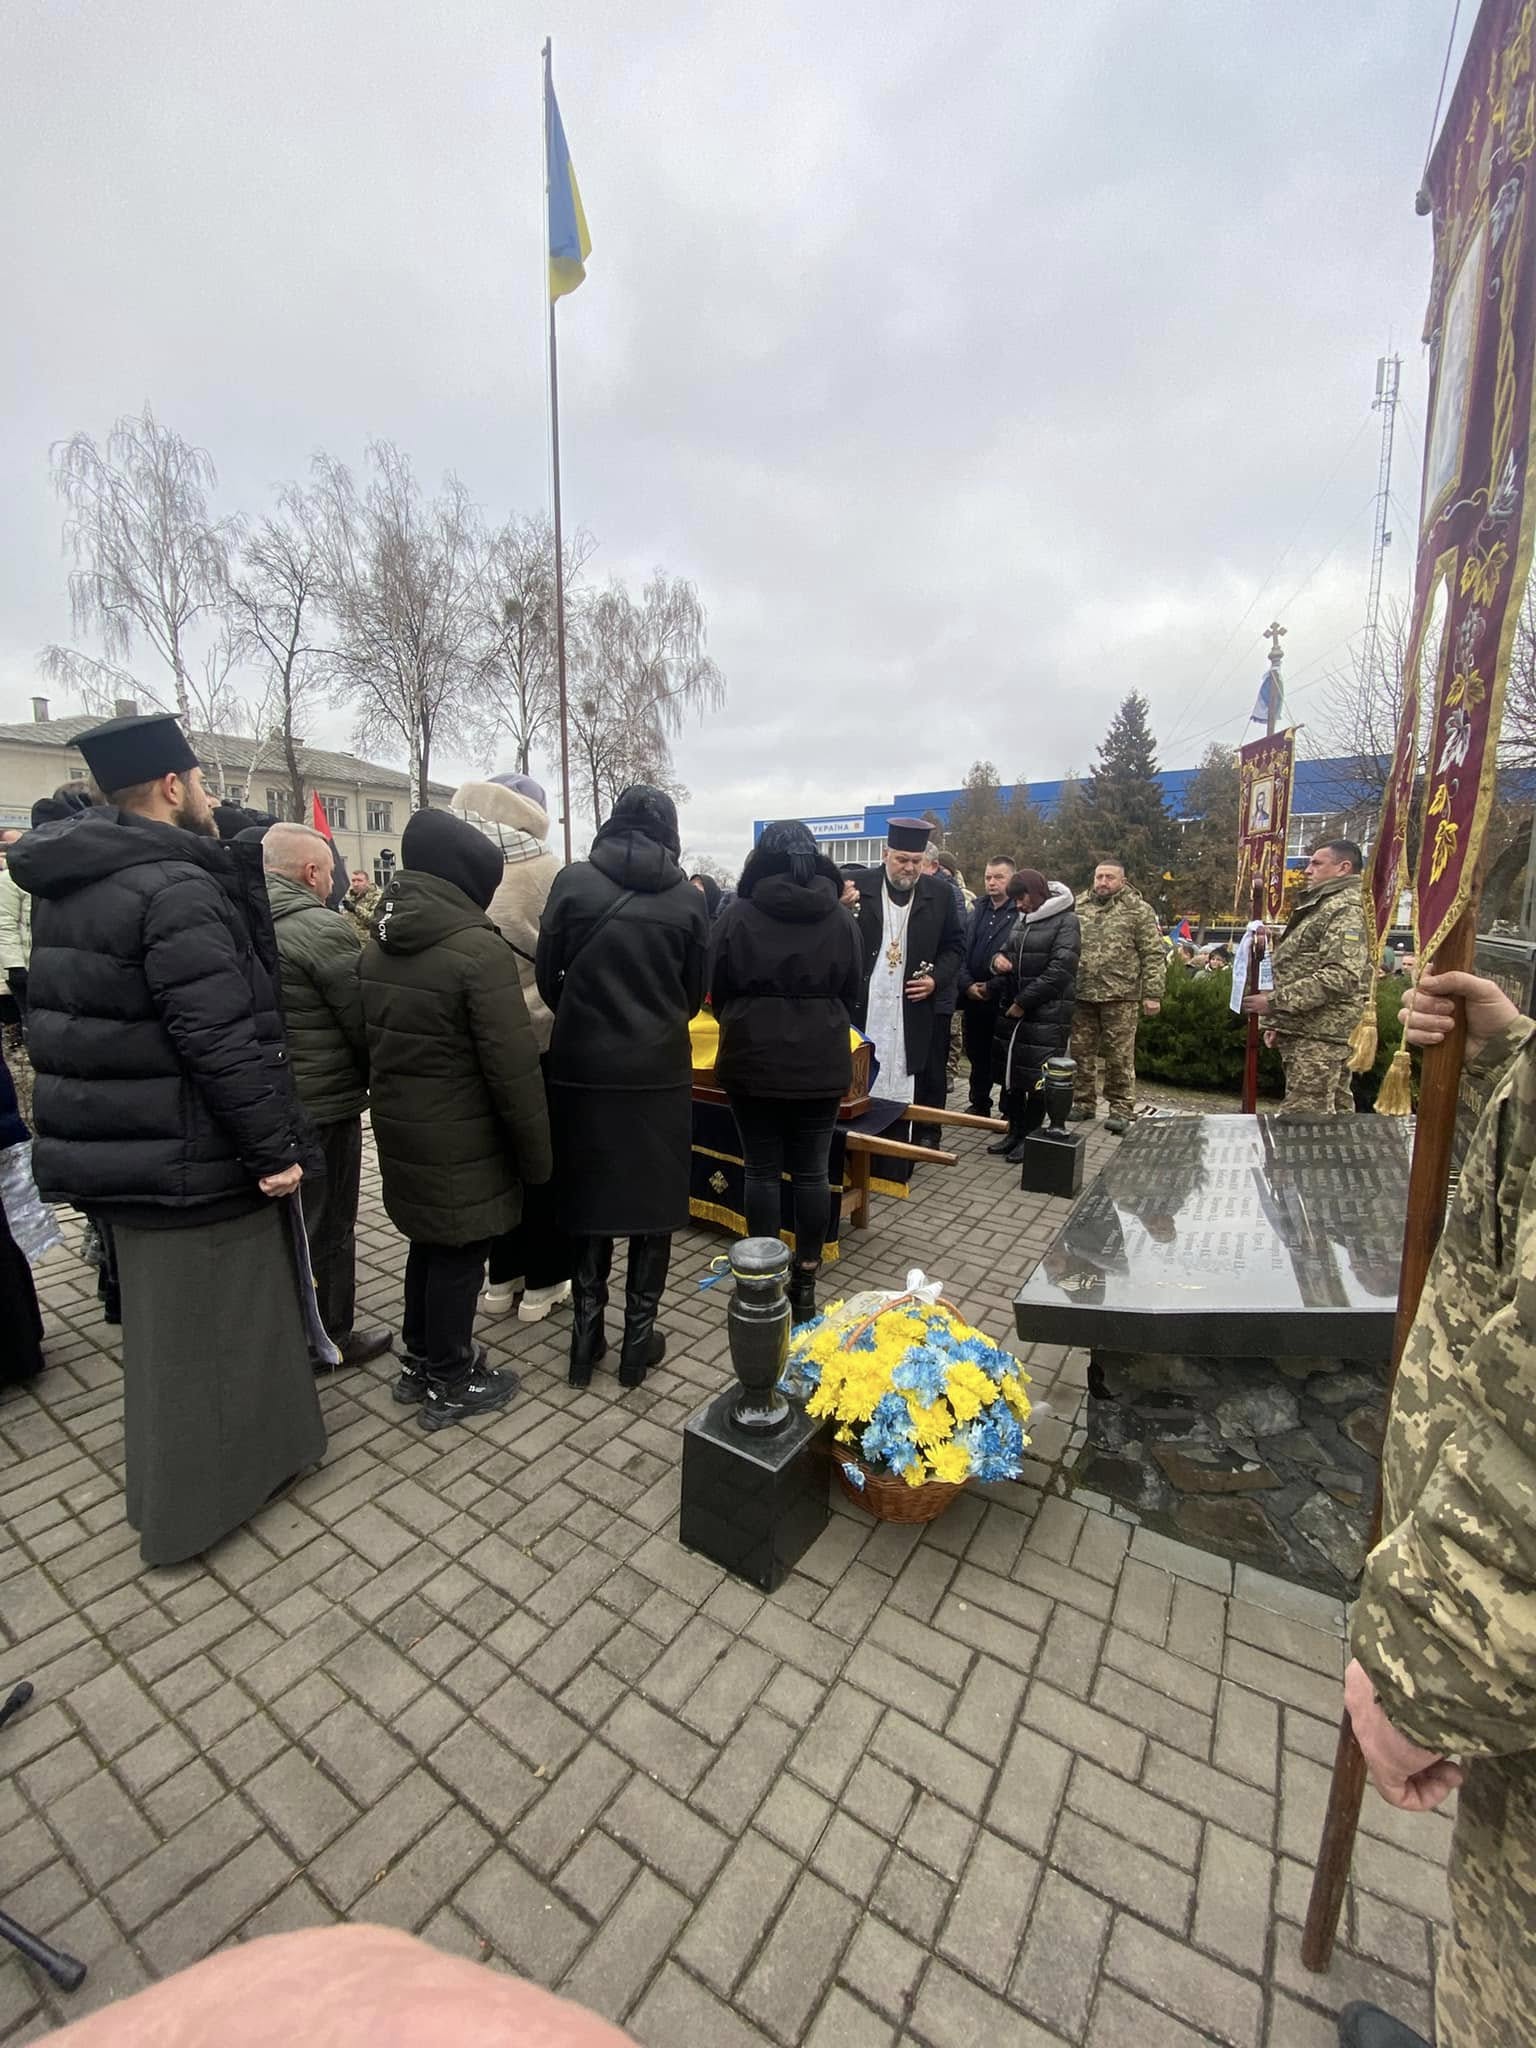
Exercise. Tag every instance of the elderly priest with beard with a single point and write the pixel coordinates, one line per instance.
(914, 942)
(164, 1104)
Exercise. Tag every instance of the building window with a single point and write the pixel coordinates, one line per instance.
(77, 775)
(335, 809)
(1303, 830)
(380, 815)
(234, 792)
(279, 803)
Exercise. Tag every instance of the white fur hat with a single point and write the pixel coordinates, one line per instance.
(512, 799)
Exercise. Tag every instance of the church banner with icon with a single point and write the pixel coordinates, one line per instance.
(1263, 819)
(1476, 523)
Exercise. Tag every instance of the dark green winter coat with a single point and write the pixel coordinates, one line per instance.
(454, 1084)
(322, 1002)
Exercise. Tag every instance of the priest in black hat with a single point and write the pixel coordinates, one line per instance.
(164, 1104)
(914, 942)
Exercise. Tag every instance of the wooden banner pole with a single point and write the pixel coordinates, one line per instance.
(1429, 1175)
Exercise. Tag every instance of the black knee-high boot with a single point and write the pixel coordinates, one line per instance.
(644, 1344)
(589, 1297)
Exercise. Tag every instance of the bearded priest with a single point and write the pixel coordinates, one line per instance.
(914, 943)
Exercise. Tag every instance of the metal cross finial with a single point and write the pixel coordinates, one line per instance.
(1276, 634)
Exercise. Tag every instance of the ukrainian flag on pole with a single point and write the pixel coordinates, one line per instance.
(569, 243)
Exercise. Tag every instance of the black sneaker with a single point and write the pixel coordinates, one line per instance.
(480, 1391)
(1367, 2026)
(412, 1382)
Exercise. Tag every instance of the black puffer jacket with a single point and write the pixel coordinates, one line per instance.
(454, 1088)
(787, 973)
(622, 1008)
(1043, 948)
(163, 1085)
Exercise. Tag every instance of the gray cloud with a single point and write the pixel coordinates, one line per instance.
(975, 365)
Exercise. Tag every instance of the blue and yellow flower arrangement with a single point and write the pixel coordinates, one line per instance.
(912, 1389)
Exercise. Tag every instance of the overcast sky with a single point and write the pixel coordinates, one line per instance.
(976, 363)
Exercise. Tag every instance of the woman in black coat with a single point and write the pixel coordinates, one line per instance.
(1036, 996)
(621, 959)
(787, 971)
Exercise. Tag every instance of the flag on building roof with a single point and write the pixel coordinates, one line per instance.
(569, 243)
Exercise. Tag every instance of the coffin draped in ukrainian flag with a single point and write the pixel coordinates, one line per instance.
(716, 1189)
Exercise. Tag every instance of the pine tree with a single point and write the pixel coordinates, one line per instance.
(1071, 838)
(1125, 800)
(978, 823)
(1026, 834)
(1205, 870)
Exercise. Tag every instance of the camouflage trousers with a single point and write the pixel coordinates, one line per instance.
(1107, 1031)
(1316, 1077)
(1485, 1989)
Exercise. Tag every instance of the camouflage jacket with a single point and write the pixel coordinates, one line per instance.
(1122, 949)
(1446, 1620)
(1320, 963)
(362, 905)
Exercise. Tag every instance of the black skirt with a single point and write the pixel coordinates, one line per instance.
(621, 1159)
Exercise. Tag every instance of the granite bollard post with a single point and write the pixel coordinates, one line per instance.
(754, 1486)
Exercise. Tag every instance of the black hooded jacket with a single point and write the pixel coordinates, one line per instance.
(163, 1090)
(786, 977)
(622, 990)
(454, 1090)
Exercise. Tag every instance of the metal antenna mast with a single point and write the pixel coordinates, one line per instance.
(1388, 369)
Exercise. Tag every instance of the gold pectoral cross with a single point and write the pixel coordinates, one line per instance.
(893, 953)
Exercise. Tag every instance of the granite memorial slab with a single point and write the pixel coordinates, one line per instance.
(1232, 1236)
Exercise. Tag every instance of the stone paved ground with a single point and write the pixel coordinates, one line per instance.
(1031, 1775)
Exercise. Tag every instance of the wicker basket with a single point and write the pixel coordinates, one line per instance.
(887, 1496)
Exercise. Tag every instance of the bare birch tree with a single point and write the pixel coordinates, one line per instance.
(151, 560)
(518, 700)
(276, 597)
(402, 590)
(642, 668)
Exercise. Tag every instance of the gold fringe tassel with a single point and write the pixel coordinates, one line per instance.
(1396, 1094)
(1364, 1041)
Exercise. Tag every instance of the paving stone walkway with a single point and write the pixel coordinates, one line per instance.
(1031, 1775)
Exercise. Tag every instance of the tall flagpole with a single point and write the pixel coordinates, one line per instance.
(554, 443)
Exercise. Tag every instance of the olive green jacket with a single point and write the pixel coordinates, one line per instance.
(1122, 954)
(1321, 965)
(322, 1002)
(1446, 1620)
(456, 1092)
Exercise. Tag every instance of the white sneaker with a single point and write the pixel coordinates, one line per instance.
(496, 1301)
(538, 1301)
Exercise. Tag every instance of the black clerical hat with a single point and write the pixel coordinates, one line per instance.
(908, 835)
(128, 751)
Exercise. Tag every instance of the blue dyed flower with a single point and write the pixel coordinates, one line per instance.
(995, 1441)
(921, 1372)
(887, 1438)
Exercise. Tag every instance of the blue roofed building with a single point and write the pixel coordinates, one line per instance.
(1327, 796)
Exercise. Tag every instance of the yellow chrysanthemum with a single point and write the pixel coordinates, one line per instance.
(970, 1390)
(931, 1425)
(1015, 1396)
(950, 1462)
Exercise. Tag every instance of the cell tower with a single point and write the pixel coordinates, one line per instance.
(1388, 369)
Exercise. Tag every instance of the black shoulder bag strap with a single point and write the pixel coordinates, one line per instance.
(624, 896)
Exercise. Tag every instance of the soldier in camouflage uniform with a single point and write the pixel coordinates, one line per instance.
(1122, 961)
(1321, 965)
(361, 902)
(1444, 1633)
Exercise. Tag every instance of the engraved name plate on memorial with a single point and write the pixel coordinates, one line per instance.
(1232, 1236)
